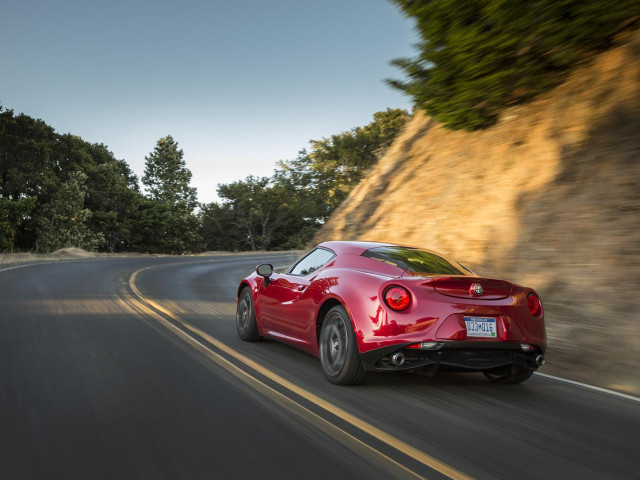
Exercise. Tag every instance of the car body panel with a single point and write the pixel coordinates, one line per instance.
(290, 307)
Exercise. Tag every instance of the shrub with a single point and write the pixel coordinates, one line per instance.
(477, 57)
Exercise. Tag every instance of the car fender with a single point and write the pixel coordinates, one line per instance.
(357, 291)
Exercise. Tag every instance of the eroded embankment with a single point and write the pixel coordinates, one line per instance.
(549, 197)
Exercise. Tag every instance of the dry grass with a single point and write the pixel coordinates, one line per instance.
(257, 252)
(72, 252)
(14, 259)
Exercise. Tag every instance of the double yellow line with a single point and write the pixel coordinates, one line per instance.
(157, 312)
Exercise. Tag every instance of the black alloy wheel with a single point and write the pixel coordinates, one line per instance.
(246, 317)
(339, 354)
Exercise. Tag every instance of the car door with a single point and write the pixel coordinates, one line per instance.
(278, 301)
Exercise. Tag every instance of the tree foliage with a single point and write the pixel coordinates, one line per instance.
(477, 57)
(58, 191)
(13, 214)
(323, 177)
(167, 178)
(63, 221)
(285, 210)
(36, 163)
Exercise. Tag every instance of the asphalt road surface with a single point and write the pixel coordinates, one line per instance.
(132, 368)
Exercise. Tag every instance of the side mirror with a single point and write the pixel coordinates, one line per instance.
(264, 270)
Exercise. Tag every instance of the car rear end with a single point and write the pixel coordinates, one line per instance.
(456, 323)
(430, 322)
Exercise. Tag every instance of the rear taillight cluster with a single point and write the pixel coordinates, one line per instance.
(534, 305)
(397, 298)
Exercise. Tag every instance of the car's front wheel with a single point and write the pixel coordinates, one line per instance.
(339, 355)
(509, 374)
(246, 317)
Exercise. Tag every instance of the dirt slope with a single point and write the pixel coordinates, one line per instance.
(549, 197)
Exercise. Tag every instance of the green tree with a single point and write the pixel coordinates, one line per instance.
(323, 177)
(166, 178)
(218, 228)
(477, 57)
(285, 210)
(13, 213)
(258, 208)
(63, 220)
(153, 230)
(27, 161)
(35, 161)
(112, 189)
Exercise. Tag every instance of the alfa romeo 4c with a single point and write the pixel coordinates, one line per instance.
(363, 306)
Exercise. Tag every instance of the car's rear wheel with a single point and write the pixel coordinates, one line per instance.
(509, 374)
(339, 355)
(246, 317)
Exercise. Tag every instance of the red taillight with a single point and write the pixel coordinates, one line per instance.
(535, 307)
(397, 298)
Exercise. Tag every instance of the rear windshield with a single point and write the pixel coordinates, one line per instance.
(414, 260)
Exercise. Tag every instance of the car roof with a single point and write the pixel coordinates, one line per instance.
(341, 247)
(356, 248)
(359, 247)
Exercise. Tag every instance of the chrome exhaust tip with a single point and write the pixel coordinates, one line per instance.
(397, 359)
(540, 360)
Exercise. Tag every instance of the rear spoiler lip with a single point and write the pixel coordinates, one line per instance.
(431, 282)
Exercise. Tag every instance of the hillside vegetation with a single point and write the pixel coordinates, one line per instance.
(478, 57)
(548, 197)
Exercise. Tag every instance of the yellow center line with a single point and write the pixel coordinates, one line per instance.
(320, 422)
(390, 440)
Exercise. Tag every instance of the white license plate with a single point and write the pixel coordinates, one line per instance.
(481, 327)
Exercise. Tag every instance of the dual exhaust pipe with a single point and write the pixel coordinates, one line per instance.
(397, 359)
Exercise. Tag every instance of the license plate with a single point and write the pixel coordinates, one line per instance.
(481, 327)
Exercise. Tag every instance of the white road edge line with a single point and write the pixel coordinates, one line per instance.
(572, 382)
(591, 387)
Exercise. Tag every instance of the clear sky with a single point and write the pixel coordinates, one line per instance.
(240, 84)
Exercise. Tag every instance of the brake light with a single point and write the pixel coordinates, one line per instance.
(397, 298)
(534, 305)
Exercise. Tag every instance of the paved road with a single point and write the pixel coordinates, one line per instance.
(105, 375)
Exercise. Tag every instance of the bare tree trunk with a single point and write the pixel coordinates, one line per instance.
(266, 233)
(247, 227)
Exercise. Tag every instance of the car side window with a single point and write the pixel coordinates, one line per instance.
(312, 262)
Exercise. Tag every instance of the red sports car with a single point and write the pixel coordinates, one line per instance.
(363, 306)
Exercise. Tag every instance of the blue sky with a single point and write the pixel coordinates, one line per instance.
(239, 84)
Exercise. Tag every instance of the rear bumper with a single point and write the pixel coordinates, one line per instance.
(452, 356)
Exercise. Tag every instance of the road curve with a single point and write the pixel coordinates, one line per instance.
(131, 368)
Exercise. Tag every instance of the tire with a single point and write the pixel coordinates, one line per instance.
(339, 354)
(509, 374)
(246, 317)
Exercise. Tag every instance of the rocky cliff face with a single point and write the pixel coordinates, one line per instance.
(549, 198)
